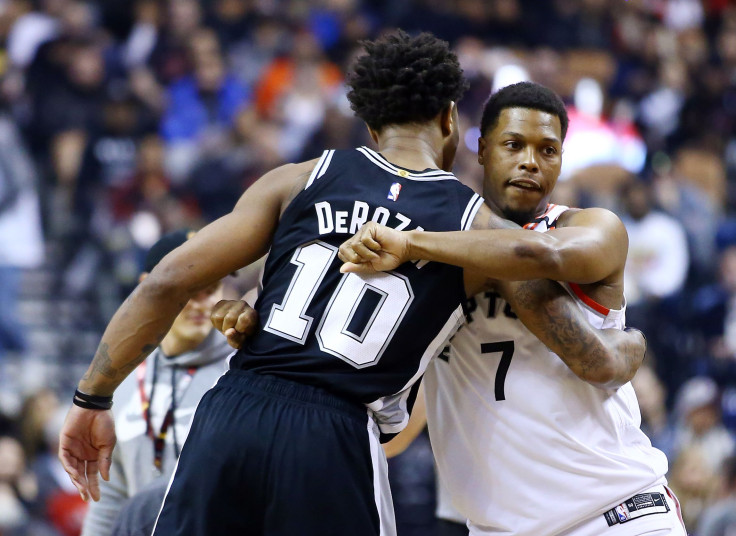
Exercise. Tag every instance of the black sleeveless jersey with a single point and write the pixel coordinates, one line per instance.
(365, 338)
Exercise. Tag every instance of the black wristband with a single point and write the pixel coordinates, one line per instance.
(83, 400)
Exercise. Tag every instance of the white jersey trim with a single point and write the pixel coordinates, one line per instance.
(470, 211)
(550, 215)
(381, 487)
(380, 161)
(456, 319)
(321, 167)
(166, 494)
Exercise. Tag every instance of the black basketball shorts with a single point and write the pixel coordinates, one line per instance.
(271, 457)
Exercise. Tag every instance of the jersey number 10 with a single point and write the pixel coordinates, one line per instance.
(382, 298)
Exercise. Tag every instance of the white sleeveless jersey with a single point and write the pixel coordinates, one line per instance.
(523, 445)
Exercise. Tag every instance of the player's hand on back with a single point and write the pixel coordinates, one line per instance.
(374, 248)
(235, 319)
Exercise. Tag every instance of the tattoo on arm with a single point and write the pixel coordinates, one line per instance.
(102, 362)
(555, 319)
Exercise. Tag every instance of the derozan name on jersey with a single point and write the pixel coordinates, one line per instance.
(349, 222)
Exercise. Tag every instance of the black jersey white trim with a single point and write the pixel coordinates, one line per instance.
(381, 486)
(470, 211)
(391, 411)
(321, 167)
(380, 161)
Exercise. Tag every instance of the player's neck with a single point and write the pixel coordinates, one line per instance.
(410, 149)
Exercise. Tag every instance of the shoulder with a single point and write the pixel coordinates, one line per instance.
(280, 185)
(293, 170)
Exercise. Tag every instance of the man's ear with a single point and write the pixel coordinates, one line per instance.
(373, 133)
(481, 150)
(448, 116)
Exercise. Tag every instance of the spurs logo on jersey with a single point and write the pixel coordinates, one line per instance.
(526, 447)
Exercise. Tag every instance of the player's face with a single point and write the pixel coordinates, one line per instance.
(521, 160)
(450, 148)
(193, 323)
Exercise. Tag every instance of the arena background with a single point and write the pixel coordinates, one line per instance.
(121, 120)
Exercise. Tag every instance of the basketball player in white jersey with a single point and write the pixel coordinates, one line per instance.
(528, 442)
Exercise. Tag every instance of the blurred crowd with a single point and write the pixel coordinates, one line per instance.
(121, 120)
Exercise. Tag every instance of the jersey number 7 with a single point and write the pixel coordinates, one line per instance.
(506, 348)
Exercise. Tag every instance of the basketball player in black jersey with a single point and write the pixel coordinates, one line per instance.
(288, 440)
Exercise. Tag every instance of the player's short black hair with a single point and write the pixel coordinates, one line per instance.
(403, 79)
(523, 95)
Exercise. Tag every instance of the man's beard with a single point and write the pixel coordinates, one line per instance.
(519, 217)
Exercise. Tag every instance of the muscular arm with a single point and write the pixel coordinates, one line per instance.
(607, 358)
(231, 242)
(591, 247)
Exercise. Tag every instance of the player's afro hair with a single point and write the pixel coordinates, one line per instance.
(403, 79)
(523, 95)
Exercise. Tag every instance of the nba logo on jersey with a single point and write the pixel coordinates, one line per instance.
(623, 515)
(393, 192)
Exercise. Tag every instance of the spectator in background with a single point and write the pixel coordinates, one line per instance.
(693, 481)
(149, 189)
(21, 241)
(33, 29)
(202, 106)
(111, 151)
(232, 162)
(57, 500)
(300, 105)
(714, 316)
(269, 39)
(655, 420)
(659, 110)
(658, 252)
(296, 90)
(655, 273)
(699, 423)
(169, 57)
(306, 59)
(17, 488)
(692, 187)
(232, 20)
(155, 405)
(593, 139)
(108, 159)
(36, 412)
(66, 78)
(146, 204)
(719, 519)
